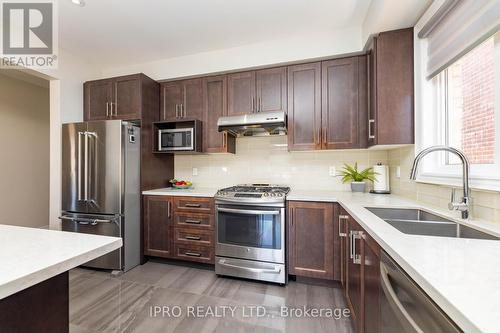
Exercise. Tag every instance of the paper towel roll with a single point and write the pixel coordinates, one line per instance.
(382, 178)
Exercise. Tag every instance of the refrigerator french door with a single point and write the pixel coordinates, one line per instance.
(100, 186)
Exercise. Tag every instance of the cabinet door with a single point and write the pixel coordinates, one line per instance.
(170, 100)
(372, 91)
(340, 242)
(97, 99)
(127, 98)
(310, 239)
(215, 92)
(241, 93)
(271, 89)
(192, 105)
(354, 273)
(394, 122)
(304, 106)
(371, 284)
(158, 226)
(340, 103)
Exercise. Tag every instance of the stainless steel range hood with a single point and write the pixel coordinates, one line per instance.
(254, 124)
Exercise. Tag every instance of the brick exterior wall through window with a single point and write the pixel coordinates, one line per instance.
(472, 122)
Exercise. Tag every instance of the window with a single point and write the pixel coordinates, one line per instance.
(465, 115)
(469, 108)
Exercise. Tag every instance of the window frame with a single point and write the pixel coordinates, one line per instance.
(431, 127)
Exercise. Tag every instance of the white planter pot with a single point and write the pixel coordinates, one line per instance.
(358, 186)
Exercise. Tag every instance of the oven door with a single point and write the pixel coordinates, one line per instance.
(249, 232)
(177, 139)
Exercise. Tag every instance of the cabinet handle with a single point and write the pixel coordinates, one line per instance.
(260, 105)
(183, 111)
(164, 105)
(253, 104)
(224, 140)
(370, 122)
(193, 254)
(192, 205)
(342, 217)
(193, 237)
(176, 110)
(351, 233)
(169, 209)
(324, 136)
(192, 221)
(116, 109)
(107, 109)
(356, 258)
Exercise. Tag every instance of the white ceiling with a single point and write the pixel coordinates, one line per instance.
(123, 32)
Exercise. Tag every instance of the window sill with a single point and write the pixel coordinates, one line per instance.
(480, 184)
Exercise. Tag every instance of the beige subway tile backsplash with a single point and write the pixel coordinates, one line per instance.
(266, 159)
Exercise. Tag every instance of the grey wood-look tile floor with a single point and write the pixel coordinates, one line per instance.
(138, 301)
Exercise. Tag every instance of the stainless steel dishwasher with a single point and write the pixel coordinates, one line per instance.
(405, 307)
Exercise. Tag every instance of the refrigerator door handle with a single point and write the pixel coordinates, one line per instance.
(91, 159)
(79, 166)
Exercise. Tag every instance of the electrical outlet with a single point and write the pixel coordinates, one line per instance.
(195, 171)
(398, 172)
(332, 171)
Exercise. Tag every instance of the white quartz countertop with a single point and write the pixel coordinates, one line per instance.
(194, 192)
(462, 276)
(29, 255)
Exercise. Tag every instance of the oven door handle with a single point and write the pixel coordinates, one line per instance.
(276, 270)
(248, 212)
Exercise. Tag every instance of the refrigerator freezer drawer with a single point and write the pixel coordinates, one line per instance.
(102, 225)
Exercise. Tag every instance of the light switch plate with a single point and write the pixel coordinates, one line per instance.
(195, 171)
(332, 171)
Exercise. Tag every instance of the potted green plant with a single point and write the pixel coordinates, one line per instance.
(357, 178)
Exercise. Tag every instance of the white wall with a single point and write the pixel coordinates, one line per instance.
(295, 48)
(24, 133)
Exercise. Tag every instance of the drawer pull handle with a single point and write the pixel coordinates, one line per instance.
(193, 237)
(193, 254)
(192, 205)
(193, 221)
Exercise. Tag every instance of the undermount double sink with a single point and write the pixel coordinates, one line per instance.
(420, 222)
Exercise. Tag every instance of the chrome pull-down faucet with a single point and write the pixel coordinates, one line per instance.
(463, 204)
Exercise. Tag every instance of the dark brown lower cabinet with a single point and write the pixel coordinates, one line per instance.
(361, 273)
(310, 239)
(179, 228)
(158, 226)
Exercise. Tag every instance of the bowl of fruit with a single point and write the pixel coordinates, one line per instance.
(181, 184)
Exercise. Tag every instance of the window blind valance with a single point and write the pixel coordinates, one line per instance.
(456, 28)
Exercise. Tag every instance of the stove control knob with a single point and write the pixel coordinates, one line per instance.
(273, 194)
(266, 194)
(280, 194)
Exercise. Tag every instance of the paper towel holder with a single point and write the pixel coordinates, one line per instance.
(385, 190)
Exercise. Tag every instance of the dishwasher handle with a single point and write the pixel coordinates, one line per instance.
(395, 304)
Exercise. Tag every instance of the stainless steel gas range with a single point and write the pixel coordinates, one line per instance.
(250, 237)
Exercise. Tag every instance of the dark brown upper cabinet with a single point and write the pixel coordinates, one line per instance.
(257, 91)
(182, 100)
(343, 97)
(304, 106)
(271, 89)
(391, 88)
(215, 96)
(115, 98)
(327, 104)
(310, 239)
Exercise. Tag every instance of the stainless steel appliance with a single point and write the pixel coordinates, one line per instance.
(404, 307)
(176, 139)
(254, 124)
(100, 186)
(250, 232)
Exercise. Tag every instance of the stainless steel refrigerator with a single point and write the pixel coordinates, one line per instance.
(101, 186)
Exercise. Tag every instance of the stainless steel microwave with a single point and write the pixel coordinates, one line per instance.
(177, 139)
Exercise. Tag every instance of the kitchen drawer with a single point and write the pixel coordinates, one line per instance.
(195, 253)
(193, 220)
(194, 204)
(194, 237)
